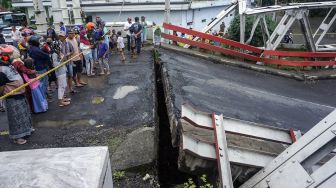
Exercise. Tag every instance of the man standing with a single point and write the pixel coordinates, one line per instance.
(66, 51)
(92, 36)
(77, 61)
(15, 36)
(128, 33)
(99, 23)
(144, 30)
(137, 29)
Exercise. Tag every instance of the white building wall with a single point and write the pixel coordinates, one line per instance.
(30, 11)
(154, 16)
(180, 18)
(208, 14)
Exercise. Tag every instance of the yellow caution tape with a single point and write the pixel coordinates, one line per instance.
(39, 77)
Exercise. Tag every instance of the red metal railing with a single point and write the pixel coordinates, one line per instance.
(251, 52)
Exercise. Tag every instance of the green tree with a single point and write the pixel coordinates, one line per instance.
(6, 4)
(257, 40)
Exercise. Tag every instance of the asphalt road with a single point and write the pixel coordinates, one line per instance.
(246, 94)
(124, 100)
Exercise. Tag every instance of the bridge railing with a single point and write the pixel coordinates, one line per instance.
(252, 53)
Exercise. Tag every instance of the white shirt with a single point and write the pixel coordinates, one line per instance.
(120, 42)
(127, 26)
(56, 62)
(16, 35)
(84, 48)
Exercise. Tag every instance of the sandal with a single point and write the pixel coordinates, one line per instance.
(67, 99)
(83, 83)
(74, 91)
(20, 141)
(2, 109)
(79, 85)
(63, 104)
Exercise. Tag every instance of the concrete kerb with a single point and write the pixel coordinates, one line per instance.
(259, 68)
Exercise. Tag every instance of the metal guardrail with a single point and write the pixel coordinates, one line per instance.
(250, 52)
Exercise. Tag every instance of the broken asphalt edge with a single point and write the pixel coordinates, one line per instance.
(258, 68)
(169, 101)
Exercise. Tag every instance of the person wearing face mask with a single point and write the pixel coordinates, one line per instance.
(18, 113)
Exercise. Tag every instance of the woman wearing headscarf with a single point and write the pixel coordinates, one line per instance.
(85, 46)
(19, 116)
(22, 69)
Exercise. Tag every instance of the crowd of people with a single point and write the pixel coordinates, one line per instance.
(73, 51)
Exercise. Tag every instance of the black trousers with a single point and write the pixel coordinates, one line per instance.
(128, 42)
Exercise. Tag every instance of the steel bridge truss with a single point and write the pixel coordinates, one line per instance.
(292, 12)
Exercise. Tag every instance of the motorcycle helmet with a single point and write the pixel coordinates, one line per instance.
(6, 52)
(90, 26)
(34, 41)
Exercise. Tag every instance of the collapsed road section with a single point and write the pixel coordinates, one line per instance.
(241, 94)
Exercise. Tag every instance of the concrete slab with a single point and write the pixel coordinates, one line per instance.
(243, 94)
(56, 168)
(103, 113)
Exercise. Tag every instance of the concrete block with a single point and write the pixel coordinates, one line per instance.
(138, 149)
(56, 168)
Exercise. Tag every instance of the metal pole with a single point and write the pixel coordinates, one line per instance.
(274, 13)
(167, 11)
(65, 13)
(242, 8)
(57, 14)
(167, 16)
(40, 16)
(76, 12)
(242, 29)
